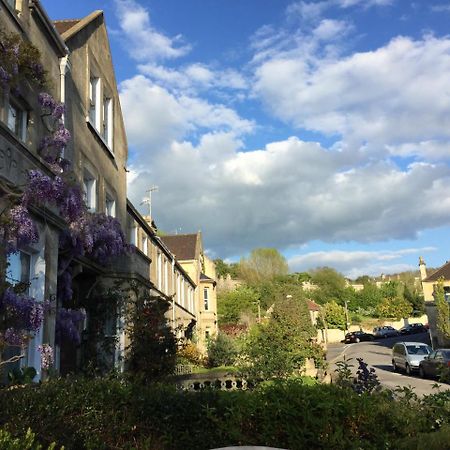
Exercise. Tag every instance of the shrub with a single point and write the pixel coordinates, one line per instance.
(188, 353)
(222, 351)
(27, 442)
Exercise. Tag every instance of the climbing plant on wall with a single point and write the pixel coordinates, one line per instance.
(443, 309)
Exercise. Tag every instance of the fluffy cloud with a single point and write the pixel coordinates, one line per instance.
(290, 192)
(397, 93)
(144, 42)
(355, 263)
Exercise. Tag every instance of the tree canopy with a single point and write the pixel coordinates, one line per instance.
(263, 264)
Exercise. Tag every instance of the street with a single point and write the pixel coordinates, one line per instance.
(378, 355)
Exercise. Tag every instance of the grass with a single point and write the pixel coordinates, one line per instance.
(213, 370)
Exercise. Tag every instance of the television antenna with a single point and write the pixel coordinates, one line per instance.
(148, 200)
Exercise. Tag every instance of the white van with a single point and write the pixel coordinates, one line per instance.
(407, 355)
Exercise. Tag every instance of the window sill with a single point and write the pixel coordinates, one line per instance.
(100, 138)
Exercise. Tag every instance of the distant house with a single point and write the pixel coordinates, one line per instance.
(188, 250)
(428, 287)
(314, 311)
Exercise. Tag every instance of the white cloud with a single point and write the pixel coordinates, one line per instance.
(397, 93)
(144, 42)
(355, 263)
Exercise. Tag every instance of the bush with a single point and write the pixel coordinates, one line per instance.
(110, 414)
(27, 442)
(222, 351)
(188, 353)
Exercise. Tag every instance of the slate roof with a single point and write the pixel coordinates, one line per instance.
(183, 246)
(204, 277)
(63, 25)
(442, 272)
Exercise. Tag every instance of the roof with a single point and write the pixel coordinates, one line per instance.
(63, 25)
(68, 27)
(205, 277)
(183, 246)
(442, 272)
(313, 306)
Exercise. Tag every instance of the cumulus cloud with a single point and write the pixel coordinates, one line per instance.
(355, 263)
(397, 93)
(144, 42)
(290, 192)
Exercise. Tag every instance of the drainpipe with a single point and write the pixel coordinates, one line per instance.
(174, 294)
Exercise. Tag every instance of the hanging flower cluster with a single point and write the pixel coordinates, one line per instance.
(68, 325)
(22, 316)
(19, 60)
(47, 357)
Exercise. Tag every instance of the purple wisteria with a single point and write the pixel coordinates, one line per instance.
(68, 323)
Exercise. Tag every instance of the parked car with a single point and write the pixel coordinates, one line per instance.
(434, 363)
(358, 336)
(385, 331)
(409, 355)
(413, 328)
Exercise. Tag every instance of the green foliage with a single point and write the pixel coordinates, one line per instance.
(22, 375)
(396, 307)
(331, 285)
(110, 414)
(222, 351)
(223, 269)
(415, 299)
(151, 353)
(368, 298)
(27, 442)
(335, 315)
(443, 310)
(231, 304)
(188, 353)
(262, 264)
(279, 347)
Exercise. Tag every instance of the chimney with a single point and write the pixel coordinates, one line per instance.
(422, 268)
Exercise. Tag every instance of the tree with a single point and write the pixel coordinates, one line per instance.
(335, 315)
(222, 351)
(368, 298)
(279, 347)
(331, 285)
(223, 269)
(262, 264)
(396, 307)
(443, 310)
(231, 304)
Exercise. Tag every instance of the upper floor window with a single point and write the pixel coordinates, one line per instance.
(145, 245)
(19, 268)
(159, 270)
(206, 298)
(107, 121)
(133, 235)
(110, 206)
(94, 100)
(17, 119)
(90, 190)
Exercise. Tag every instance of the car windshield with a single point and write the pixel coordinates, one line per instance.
(418, 349)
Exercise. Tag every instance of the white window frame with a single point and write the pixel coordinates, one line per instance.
(17, 124)
(108, 118)
(94, 97)
(166, 276)
(90, 190)
(206, 299)
(159, 270)
(110, 206)
(183, 293)
(145, 245)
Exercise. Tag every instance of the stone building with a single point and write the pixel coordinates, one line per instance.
(428, 286)
(188, 250)
(21, 131)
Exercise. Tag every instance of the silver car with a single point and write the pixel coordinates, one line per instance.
(408, 355)
(385, 332)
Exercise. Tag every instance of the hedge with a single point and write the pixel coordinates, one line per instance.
(112, 414)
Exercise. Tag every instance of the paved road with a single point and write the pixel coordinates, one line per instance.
(378, 355)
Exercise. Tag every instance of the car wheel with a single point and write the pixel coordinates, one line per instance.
(394, 366)
(357, 340)
(422, 372)
(408, 369)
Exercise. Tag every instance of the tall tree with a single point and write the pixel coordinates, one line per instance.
(331, 285)
(263, 264)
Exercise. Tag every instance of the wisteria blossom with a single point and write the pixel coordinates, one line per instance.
(47, 357)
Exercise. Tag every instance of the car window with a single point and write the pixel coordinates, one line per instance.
(432, 354)
(417, 349)
(439, 355)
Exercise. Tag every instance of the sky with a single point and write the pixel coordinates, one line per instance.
(320, 128)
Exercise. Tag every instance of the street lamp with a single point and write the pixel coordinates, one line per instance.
(347, 322)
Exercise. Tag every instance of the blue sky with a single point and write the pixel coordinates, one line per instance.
(321, 128)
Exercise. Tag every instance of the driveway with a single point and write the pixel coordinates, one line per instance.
(378, 355)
